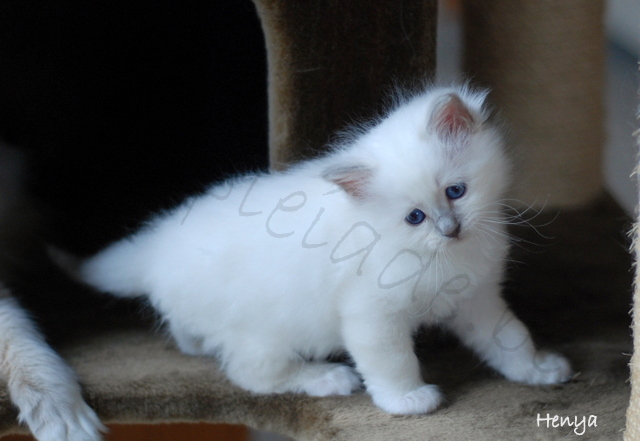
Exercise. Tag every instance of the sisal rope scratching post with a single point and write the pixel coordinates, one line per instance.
(332, 62)
(632, 430)
(544, 61)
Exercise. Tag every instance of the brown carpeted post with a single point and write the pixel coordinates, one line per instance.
(544, 61)
(632, 430)
(332, 62)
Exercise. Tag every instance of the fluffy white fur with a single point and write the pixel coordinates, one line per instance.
(274, 272)
(40, 383)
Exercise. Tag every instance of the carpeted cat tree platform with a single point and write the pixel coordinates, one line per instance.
(330, 63)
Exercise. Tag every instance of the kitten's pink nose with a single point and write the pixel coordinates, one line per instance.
(455, 233)
(448, 226)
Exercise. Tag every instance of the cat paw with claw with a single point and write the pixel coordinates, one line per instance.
(424, 399)
(339, 380)
(549, 368)
(544, 368)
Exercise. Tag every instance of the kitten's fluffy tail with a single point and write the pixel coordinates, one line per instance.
(112, 270)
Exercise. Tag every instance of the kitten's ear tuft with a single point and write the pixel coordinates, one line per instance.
(451, 119)
(351, 178)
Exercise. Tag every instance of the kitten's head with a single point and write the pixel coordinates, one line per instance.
(434, 168)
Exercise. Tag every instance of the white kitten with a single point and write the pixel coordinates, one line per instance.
(40, 383)
(399, 226)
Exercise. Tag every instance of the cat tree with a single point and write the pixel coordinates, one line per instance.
(330, 63)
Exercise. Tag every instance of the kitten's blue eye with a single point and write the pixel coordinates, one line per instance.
(415, 217)
(455, 191)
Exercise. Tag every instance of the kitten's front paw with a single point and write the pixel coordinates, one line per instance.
(550, 368)
(425, 399)
(338, 380)
(545, 368)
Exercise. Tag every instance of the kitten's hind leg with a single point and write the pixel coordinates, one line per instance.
(487, 325)
(324, 379)
(40, 384)
(268, 371)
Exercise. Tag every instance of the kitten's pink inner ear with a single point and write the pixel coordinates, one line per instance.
(451, 118)
(352, 179)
